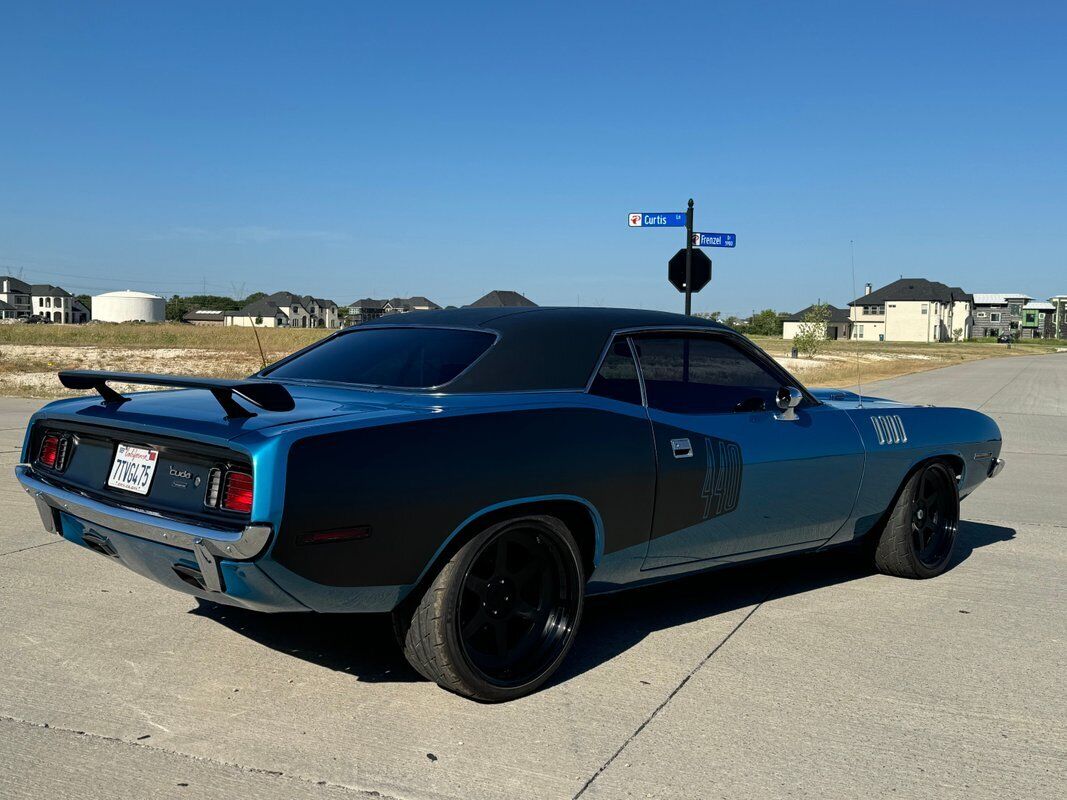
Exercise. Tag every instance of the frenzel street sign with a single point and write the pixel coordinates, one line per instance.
(656, 219)
(714, 240)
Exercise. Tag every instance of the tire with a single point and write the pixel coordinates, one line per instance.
(501, 615)
(918, 538)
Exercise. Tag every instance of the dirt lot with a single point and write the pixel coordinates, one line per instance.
(30, 355)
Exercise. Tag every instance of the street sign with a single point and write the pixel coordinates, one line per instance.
(656, 219)
(714, 239)
(700, 270)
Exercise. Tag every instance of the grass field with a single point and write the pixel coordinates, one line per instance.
(30, 355)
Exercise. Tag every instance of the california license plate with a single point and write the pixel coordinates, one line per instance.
(133, 468)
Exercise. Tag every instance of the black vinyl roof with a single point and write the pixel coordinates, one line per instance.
(538, 348)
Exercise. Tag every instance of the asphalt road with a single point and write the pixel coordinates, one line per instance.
(805, 677)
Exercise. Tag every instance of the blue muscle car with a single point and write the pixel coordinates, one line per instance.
(477, 472)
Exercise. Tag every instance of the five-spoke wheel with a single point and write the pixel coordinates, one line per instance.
(918, 538)
(501, 615)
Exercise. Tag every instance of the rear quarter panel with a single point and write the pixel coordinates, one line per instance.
(414, 483)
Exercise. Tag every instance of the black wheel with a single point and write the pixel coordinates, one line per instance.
(917, 540)
(501, 615)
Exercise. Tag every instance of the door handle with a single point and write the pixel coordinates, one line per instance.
(681, 448)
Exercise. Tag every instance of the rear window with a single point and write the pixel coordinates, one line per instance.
(410, 358)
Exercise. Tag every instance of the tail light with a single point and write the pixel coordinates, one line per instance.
(49, 451)
(54, 451)
(237, 492)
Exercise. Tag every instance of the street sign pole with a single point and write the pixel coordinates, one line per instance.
(689, 258)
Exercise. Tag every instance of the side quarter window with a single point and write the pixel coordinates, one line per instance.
(703, 375)
(617, 377)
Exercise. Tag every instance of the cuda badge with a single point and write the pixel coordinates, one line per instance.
(889, 429)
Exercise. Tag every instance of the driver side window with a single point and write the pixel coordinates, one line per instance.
(692, 374)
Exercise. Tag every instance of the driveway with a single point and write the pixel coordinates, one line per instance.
(805, 677)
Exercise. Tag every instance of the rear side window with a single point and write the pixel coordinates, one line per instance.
(617, 377)
(701, 375)
(409, 358)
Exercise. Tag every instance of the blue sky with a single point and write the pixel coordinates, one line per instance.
(358, 149)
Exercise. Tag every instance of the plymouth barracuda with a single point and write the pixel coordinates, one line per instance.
(477, 473)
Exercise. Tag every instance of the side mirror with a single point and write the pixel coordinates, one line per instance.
(787, 399)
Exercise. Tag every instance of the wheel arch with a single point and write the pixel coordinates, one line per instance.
(954, 461)
(578, 514)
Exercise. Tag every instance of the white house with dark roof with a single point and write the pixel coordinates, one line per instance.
(912, 310)
(402, 305)
(838, 326)
(286, 310)
(15, 294)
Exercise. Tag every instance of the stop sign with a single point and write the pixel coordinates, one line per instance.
(699, 270)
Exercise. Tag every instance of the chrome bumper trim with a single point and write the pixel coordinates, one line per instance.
(206, 543)
(996, 467)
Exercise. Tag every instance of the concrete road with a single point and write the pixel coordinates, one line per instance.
(806, 677)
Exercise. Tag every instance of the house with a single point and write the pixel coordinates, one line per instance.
(997, 313)
(1039, 321)
(839, 326)
(262, 313)
(360, 311)
(401, 305)
(51, 302)
(287, 310)
(40, 299)
(322, 313)
(79, 312)
(503, 299)
(16, 295)
(912, 310)
(204, 317)
(1060, 316)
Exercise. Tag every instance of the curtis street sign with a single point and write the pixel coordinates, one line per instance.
(656, 219)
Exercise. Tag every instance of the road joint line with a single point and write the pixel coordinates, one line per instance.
(189, 756)
(671, 695)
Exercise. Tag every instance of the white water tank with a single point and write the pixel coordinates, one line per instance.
(127, 306)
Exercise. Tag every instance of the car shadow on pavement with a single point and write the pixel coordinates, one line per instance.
(363, 645)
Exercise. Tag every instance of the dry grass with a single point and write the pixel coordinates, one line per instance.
(30, 355)
(168, 335)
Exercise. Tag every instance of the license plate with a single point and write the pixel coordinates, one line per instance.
(133, 468)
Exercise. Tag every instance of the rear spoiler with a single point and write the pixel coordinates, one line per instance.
(265, 395)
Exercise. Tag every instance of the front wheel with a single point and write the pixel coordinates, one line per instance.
(501, 615)
(918, 538)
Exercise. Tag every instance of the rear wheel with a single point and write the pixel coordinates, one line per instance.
(917, 540)
(501, 615)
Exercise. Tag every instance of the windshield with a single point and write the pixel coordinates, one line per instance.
(409, 358)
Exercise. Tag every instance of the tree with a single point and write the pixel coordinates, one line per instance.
(957, 335)
(712, 315)
(811, 336)
(766, 323)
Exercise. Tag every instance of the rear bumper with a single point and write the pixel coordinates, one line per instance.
(207, 562)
